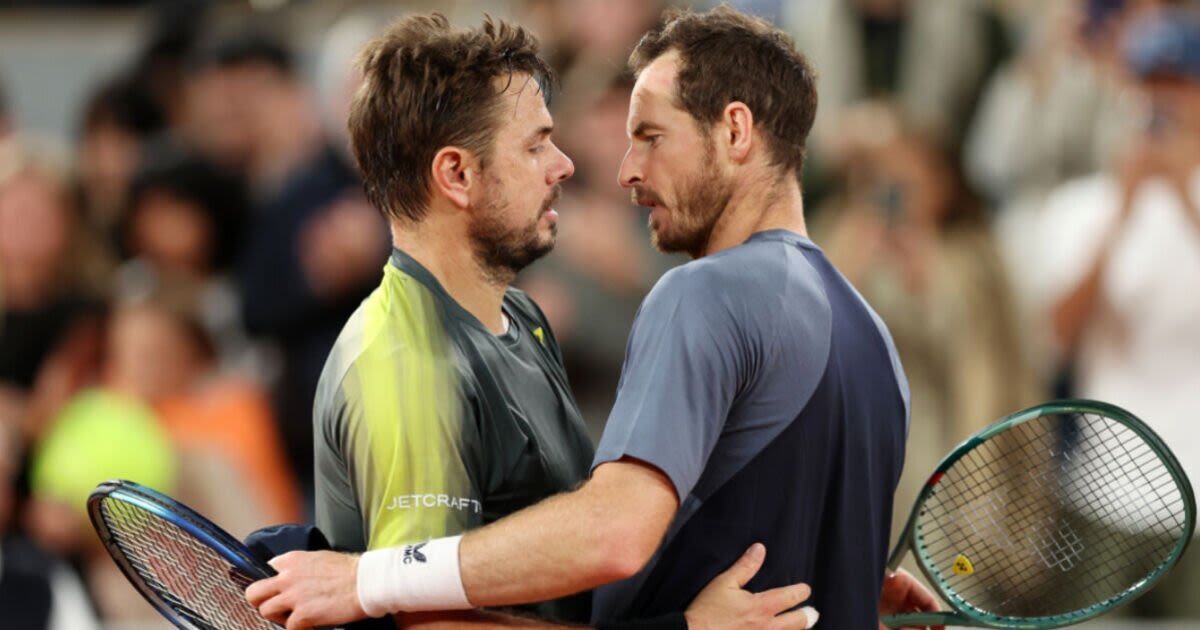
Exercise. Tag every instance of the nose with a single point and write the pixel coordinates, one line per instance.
(630, 173)
(563, 170)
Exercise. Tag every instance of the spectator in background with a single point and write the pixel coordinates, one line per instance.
(220, 423)
(1121, 255)
(246, 108)
(37, 590)
(911, 236)
(162, 414)
(931, 56)
(101, 433)
(1056, 110)
(183, 229)
(161, 67)
(39, 300)
(316, 247)
(185, 215)
(117, 120)
(586, 42)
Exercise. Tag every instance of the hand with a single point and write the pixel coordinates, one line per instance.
(313, 588)
(857, 240)
(902, 593)
(724, 604)
(342, 246)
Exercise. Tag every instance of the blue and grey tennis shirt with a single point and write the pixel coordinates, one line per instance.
(771, 394)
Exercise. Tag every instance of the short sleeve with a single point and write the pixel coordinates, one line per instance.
(689, 354)
(394, 437)
(414, 453)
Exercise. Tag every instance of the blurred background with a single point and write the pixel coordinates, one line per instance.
(1013, 184)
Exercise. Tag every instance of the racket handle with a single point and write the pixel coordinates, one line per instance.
(920, 620)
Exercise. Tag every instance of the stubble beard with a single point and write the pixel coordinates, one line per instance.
(700, 202)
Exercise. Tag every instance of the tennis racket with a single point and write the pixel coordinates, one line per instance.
(192, 571)
(1046, 518)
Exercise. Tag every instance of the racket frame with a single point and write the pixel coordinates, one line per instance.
(966, 615)
(175, 513)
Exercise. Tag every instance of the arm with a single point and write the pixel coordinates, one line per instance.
(318, 589)
(671, 407)
(603, 532)
(723, 605)
(1072, 312)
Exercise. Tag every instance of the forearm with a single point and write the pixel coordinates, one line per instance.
(1074, 310)
(561, 546)
(475, 619)
(603, 532)
(484, 620)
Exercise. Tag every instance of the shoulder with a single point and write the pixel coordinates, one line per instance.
(759, 277)
(380, 341)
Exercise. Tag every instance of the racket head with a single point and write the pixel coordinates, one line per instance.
(191, 571)
(1059, 546)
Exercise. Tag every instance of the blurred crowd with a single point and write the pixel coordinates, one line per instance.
(1014, 185)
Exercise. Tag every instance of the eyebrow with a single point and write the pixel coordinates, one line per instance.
(542, 132)
(643, 127)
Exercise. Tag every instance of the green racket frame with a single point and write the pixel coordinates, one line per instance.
(968, 616)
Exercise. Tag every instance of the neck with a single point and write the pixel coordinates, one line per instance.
(437, 245)
(764, 203)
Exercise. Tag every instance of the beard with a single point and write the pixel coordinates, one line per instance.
(503, 250)
(700, 200)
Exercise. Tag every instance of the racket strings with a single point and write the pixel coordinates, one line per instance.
(190, 577)
(1053, 516)
(1049, 594)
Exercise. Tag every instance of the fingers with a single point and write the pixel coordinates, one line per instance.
(262, 590)
(283, 561)
(275, 609)
(784, 598)
(748, 565)
(298, 622)
(912, 593)
(796, 620)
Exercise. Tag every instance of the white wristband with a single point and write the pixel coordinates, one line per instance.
(412, 578)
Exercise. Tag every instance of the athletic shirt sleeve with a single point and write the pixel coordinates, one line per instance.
(395, 436)
(690, 353)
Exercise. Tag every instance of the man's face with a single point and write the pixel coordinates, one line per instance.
(672, 166)
(513, 223)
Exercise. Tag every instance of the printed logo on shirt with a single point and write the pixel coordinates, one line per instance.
(413, 552)
(420, 501)
(540, 334)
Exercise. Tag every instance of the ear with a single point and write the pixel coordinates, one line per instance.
(739, 130)
(454, 173)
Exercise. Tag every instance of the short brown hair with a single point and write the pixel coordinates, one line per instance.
(728, 56)
(426, 86)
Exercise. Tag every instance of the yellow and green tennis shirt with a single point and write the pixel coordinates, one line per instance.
(426, 424)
